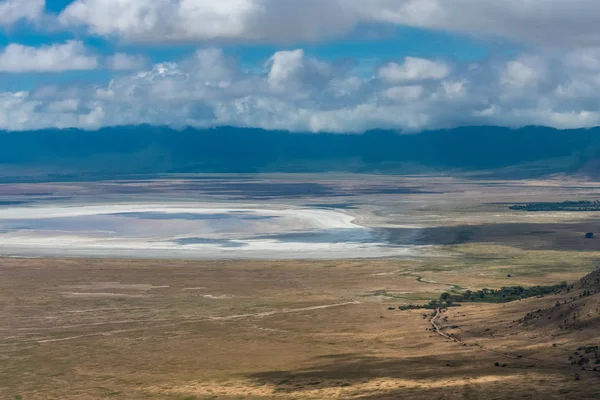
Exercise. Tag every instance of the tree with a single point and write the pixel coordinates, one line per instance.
(589, 235)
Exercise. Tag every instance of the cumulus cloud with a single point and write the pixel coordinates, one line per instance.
(125, 62)
(69, 56)
(213, 67)
(587, 58)
(524, 72)
(181, 20)
(297, 92)
(13, 11)
(547, 22)
(554, 81)
(293, 73)
(413, 69)
(404, 93)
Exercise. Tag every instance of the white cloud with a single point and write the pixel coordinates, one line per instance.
(300, 93)
(586, 58)
(404, 93)
(148, 20)
(213, 67)
(126, 62)
(523, 73)
(546, 22)
(69, 56)
(286, 68)
(181, 20)
(455, 89)
(12, 11)
(63, 106)
(554, 83)
(294, 74)
(413, 69)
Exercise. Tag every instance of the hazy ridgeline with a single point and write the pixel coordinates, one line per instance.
(525, 152)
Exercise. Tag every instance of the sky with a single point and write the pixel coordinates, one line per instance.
(343, 66)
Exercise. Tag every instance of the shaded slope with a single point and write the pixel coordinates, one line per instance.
(560, 330)
(147, 149)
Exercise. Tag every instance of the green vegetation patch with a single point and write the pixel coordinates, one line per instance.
(573, 206)
(504, 295)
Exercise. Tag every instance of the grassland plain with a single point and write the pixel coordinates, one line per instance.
(97, 328)
(143, 329)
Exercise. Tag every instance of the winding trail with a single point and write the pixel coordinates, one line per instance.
(434, 321)
(421, 280)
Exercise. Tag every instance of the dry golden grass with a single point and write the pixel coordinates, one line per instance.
(143, 329)
(94, 329)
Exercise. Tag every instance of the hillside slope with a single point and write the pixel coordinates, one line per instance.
(561, 331)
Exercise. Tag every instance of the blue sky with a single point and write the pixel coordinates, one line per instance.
(371, 42)
(311, 65)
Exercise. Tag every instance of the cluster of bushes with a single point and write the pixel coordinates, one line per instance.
(590, 349)
(504, 295)
(582, 357)
(564, 206)
(432, 305)
(587, 293)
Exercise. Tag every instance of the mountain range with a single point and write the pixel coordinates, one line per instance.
(117, 151)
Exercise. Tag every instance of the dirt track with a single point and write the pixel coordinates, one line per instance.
(547, 364)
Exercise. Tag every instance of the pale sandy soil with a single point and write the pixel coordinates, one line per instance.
(119, 235)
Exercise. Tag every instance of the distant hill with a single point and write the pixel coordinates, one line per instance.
(108, 152)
